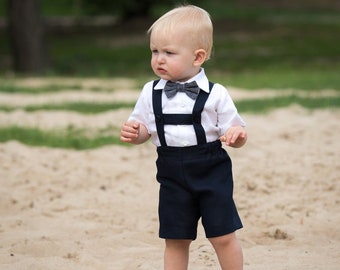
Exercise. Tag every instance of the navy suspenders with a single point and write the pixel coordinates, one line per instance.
(179, 119)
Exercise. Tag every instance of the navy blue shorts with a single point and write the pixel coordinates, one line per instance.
(195, 182)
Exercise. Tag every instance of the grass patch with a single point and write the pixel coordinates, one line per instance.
(78, 56)
(70, 138)
(248, 105)
(265, 105)
(302, 79)
(81, 107)
(12, 88)
(81, 139)
(277, 55)
(255, 46)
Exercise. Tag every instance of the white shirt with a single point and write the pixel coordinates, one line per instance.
(218, 115)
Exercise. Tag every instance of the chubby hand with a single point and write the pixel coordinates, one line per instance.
(235, 136)
(129, 132)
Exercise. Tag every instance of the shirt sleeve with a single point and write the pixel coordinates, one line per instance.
(227, 114)
(142, 109)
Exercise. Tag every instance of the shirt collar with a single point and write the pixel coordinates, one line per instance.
(201, 80)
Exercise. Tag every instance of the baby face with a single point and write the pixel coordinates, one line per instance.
(173, 57)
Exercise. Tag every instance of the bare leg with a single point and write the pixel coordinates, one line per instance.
(176, 255)
(228, 251)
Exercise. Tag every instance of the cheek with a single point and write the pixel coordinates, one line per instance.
(153, 61)
(174, 64)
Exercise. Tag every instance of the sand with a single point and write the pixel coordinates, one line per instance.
(97, 209)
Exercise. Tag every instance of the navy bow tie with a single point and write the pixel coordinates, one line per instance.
(191, 89)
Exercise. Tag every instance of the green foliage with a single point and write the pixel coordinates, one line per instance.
(267, 104)
(71, 138)
(6, 87)
(81, 139)
(83, 57)
(81, 107)
(303, 79)
(258, 44)
(62, 8)
(281, 49)
(121, 8)
(265, 44)
(251, 105)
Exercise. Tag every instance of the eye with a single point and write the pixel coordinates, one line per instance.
(154, 51)
(169, 53)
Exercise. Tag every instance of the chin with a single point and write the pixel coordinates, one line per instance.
(164, 77)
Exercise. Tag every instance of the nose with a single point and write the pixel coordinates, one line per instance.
(160, 58)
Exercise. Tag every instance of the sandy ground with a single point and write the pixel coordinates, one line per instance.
(97, 209)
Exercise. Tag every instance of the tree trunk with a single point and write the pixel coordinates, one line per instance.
(26, 31)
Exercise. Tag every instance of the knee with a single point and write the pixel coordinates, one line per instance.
(177, 244)
(224, 240)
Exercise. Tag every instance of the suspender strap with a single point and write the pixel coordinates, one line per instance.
(197, 112)
(196, 117)
(177, 119)
(157, 109)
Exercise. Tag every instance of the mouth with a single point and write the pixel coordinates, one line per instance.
(161, 70)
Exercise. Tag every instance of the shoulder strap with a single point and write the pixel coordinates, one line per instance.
(197, 112)
(157, 109)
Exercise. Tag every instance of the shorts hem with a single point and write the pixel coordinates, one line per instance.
(223, 232)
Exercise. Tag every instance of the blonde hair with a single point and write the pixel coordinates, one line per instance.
(194, 21)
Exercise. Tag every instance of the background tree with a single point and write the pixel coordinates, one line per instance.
(26, 32)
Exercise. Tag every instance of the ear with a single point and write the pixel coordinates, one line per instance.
(200, 57)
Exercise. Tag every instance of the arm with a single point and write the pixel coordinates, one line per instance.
(235, 136)
(134, 132)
